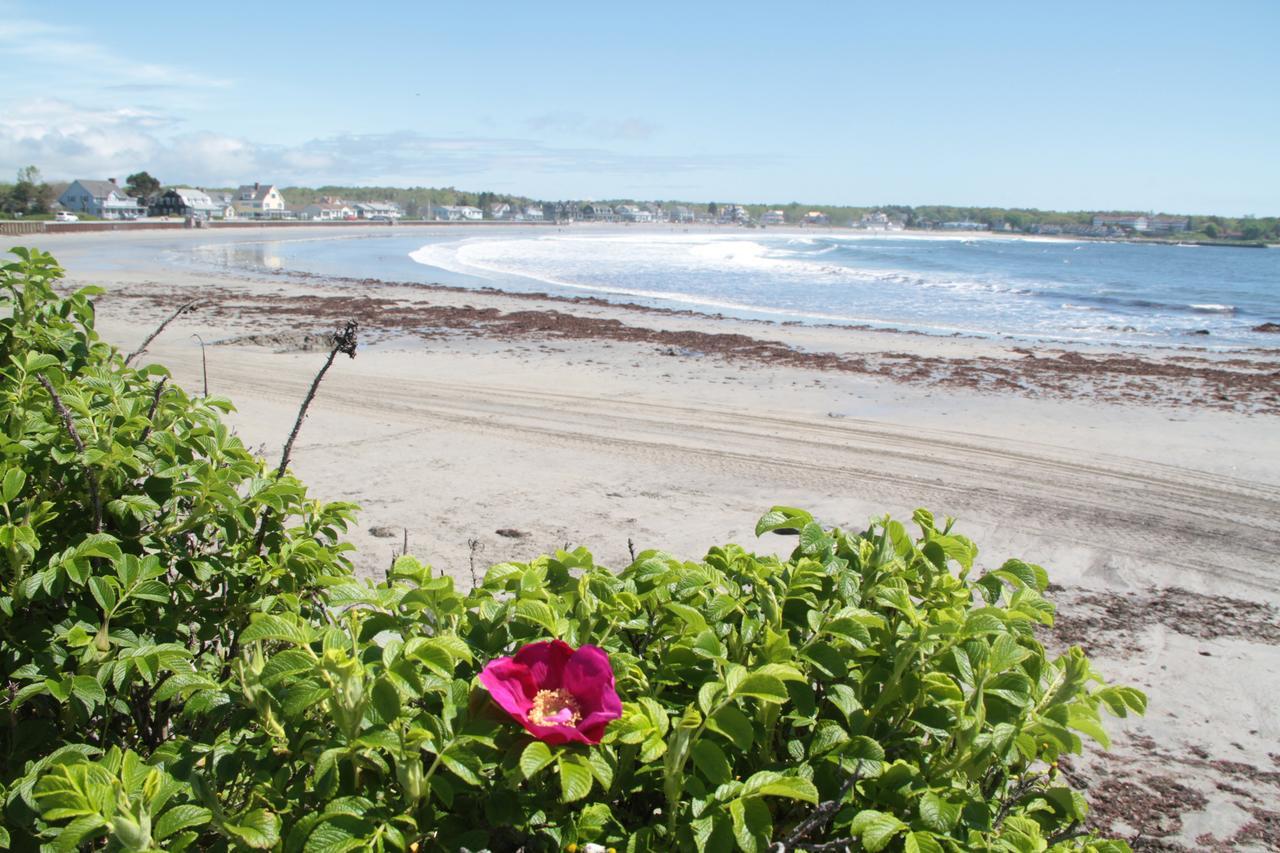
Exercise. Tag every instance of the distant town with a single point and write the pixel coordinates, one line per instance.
(142, 197)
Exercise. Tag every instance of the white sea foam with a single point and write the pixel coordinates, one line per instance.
(925, 282)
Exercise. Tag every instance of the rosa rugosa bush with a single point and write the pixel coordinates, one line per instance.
(173, 683)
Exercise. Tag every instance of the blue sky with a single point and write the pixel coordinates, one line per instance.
(1166, 107)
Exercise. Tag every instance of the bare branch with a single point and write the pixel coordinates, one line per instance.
(155, 404)
(204, 363)
(151, 337)
(95, 487)
(820, 817)
(344, 341)
(631, 547)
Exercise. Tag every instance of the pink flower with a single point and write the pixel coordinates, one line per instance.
(559, 695)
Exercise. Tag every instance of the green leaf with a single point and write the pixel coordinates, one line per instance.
(731, 723)
(921, 842)
(767, 783)
(783, 518)
(876, 829)
(710, 759)
(259, 829)
(269, 626)
(535, 757)
(938, 814)
(14, 479)
(692, 619)
(178, 818)
(762, 686)
(575, 777)
(752, 825)
(338, 833)
(386, 700)
(538, 613)
(88, 691)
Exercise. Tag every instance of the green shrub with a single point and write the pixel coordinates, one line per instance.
(172, 684)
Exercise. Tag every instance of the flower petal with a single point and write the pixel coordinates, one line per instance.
(557, 735)
(546, 662)
(511, 685)
(589, 678)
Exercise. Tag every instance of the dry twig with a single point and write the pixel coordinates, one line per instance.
(95, 487)
(151, 337)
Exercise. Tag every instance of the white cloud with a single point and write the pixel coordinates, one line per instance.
(46, 48)
(68, 141)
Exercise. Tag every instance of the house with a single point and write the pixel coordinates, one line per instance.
(377, 210)
(534, 213)
(471, 214)
(681, 213)
(447, 213)
(632, 213)
(963, 225)
(1168, 224)
(594, 211)
(185, 201)
(1046, 229)
(259, 201)
(878, 221)
(734, 213)
(499, 210)
(773, 217)
(223, 203)
(816, 217)
(328, 211)
(1125, 221)
(104, 199)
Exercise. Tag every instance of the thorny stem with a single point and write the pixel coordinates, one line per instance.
(155, 404)
(344, 341)
(819, 818)
(204, 363)
(151, 337)
(94, 487)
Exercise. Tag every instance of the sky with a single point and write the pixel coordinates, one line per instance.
(1169, 107)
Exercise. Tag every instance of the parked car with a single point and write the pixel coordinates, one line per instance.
(64, 216)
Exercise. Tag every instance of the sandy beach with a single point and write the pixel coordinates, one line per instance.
(482, 426)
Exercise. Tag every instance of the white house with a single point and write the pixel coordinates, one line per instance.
(632, 213)
(223, 203)
(457, 213)
(533, 213)
(324, 211)
(500, 210)
(1134, 223)
(103, 199)
(377, 210)
(261, 201)
(773, 217)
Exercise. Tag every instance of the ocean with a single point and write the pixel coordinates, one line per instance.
(1047, 290)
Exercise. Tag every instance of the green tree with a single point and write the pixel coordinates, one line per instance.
(713, 208)
(141, 185)
(29, 194)
(1211, 230)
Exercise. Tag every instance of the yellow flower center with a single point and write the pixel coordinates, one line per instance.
(554, 708)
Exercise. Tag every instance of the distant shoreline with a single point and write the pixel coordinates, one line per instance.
(7, 227)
